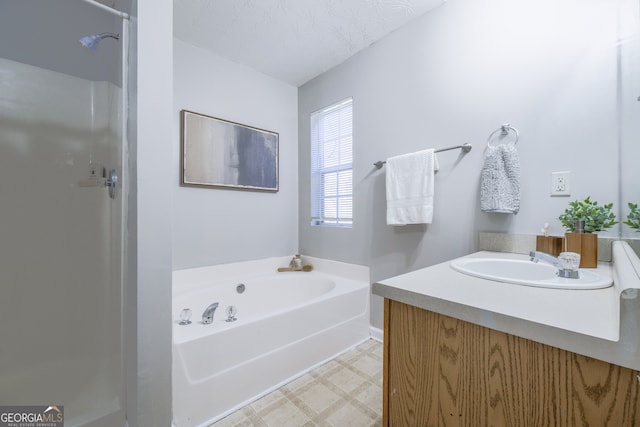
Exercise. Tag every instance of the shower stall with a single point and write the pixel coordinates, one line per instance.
(62, 208)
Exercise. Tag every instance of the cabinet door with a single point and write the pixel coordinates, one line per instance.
(427, 386)
(440, 371)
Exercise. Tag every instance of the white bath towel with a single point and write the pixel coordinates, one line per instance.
(410, 188)
(500, 180)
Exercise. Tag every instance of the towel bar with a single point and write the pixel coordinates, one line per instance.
(466, 147)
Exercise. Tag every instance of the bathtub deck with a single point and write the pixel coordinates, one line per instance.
(345, 391)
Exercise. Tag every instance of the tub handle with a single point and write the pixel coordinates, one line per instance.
(231, 313)
(185, 317)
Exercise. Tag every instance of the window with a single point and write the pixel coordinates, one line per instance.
(331, 165)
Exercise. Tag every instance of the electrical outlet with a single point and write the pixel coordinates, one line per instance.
(561, 183)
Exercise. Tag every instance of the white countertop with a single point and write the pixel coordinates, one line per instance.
(572, 310)
(582, 321)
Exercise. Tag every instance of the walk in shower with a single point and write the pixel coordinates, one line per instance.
(62, 146)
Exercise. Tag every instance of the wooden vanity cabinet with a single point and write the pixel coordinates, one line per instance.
(440, 371)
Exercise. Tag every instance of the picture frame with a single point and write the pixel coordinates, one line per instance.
(218, 153)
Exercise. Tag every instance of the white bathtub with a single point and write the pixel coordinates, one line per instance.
(287, 323)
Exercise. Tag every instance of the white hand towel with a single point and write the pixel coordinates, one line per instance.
(410, 187)
(500, 180)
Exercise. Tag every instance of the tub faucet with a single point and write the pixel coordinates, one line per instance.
(561, 264)
(207, 316)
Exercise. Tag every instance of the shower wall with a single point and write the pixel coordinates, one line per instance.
(46, 33)
(60, 244)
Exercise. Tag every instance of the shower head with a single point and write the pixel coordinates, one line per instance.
(92, 41)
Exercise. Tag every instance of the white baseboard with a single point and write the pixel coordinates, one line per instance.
(376, 334)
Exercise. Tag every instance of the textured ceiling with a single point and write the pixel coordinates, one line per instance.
(291, 40)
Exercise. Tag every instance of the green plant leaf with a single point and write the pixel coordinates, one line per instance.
(595, 216)
(633, 218)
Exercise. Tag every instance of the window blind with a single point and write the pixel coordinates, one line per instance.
(331, 165)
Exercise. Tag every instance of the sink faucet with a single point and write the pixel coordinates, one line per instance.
(207, 316)
(549, 259)
(560, 264)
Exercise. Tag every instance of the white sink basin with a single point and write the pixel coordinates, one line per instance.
(528, 273)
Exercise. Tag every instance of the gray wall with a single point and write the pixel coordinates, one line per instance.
(453, 76)
(215, 226)
(149, 404)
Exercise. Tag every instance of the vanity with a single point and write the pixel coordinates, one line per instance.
(461, 350)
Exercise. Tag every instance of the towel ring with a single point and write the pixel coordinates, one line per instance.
(504, 131)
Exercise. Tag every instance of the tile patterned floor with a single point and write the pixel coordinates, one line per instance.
(344, 392)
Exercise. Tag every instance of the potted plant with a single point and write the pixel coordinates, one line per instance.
(633, 219)
(595, 216)
(582, 219)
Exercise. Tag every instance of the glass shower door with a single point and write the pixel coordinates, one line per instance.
(60, 231)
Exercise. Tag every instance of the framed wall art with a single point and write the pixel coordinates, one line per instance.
(218, 153)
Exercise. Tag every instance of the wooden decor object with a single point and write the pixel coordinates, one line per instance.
(549, 244)
(586, 244)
